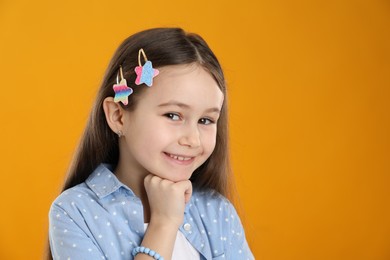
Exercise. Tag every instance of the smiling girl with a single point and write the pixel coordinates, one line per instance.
(151, 174)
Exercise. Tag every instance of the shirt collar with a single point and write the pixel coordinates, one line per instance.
(103, 181)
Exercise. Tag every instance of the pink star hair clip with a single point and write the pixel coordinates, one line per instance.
(145, 73)
(122, 91)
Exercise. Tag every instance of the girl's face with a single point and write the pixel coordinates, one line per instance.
(172, 130)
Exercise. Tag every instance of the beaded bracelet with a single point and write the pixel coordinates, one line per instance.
(146, 251)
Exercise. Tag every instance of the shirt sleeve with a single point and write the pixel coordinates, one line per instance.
(238, 248)
(68, 240)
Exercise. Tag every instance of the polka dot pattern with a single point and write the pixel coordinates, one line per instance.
(103, 219)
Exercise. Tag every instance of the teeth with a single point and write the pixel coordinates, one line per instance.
(180, 158)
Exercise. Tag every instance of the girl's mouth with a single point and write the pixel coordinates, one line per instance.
(182, 159)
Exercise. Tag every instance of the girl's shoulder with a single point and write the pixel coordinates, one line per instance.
(211, 203)
(100, 183)
(209, 196)
(71, 197)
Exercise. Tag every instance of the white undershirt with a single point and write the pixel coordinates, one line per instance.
(182, 248)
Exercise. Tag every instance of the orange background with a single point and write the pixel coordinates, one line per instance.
(309, 104)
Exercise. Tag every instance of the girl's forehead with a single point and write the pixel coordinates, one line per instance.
(190, 84)
(191, 69)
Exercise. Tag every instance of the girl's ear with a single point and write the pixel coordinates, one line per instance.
(114, 114)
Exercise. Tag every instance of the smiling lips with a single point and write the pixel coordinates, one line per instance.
(180, 157)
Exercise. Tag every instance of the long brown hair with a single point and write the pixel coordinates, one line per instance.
(163, 46)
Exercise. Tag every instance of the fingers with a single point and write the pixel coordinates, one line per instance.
(148, 178)
(186, 187)
(156, 182)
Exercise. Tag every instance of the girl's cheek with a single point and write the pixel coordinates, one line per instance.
(210, 141)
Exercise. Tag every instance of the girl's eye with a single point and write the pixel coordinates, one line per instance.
(206, 121)
(173, 116)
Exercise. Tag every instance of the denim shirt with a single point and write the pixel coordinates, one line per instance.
(102, 218)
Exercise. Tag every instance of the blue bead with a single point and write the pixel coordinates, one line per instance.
(148, 251)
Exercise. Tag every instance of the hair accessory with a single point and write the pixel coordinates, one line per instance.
(122, 91)
(146, 251)
(145, 73)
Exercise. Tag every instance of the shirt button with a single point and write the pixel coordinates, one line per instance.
(187, 227)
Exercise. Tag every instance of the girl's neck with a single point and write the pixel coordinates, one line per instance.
(136, 183)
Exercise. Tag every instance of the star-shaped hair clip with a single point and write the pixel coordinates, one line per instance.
(122, 91)
(145, 73)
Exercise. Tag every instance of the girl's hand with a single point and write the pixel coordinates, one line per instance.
(167, 199)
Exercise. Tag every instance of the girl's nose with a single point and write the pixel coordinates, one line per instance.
(190, 137)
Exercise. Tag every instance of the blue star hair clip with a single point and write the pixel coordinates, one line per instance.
(122, 91)
(145, 73)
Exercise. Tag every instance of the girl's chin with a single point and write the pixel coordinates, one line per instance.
(177, 178)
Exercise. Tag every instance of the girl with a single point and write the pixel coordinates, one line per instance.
(151, 174)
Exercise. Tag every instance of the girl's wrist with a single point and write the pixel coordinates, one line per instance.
(164, 223)
(160, 236)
